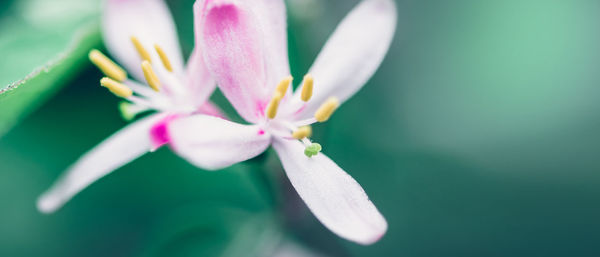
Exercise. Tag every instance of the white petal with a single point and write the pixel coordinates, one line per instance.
(148, 20)
(353, 53)
(121, 148)
(213, 143)
(199, 81)
(334, 197)
(271, 15)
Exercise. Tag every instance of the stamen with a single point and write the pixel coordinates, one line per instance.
(307, 88)
(274, 105)
(282, 87)
(116, 88)
(107, 66)
(326, 110)
(150, 76)
(140, 48)
(164, 58)
(312, 150)
(302, 132)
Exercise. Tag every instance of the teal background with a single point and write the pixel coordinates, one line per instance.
(478, 136)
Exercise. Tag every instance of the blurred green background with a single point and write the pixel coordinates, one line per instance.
(478, 136)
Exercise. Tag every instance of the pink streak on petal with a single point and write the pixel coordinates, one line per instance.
(159, 133)
(300, 110)
(260, 108)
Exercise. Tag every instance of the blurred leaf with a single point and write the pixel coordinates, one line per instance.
(154, 203)
(215, 230)
(43, 43)
(478, 136)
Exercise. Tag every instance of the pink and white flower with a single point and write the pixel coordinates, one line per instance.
(245, 48)
(142, 36)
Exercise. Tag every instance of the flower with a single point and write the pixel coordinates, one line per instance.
(142, 36)
(245, 48)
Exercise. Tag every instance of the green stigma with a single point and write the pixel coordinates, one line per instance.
(129, 111)
(125, 110)
(312, 150)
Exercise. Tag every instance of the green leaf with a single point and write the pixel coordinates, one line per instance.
(43, 44)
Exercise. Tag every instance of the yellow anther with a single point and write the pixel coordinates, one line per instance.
(283, 86)
(107, 66)
(307, 88)
(140, 48)
(302, 132)
(164, 58)
(151, 77)
(326, 110)
(116, 88)
(274, 105)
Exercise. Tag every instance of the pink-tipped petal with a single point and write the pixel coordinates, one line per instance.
(148, 20)
(334, 197)
(271, 19)
(230, 36)
(214, 143)
(121, 148)
(199, 81)
(353, 53)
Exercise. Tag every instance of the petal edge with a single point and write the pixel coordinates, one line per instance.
(332, 195)
(119, 149)
(352, 54)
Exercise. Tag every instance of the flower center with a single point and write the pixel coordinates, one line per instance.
(297, 130)
(138, 98)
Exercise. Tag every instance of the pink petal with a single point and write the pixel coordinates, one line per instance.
(119, 149)
(353, 53)
(237, 54)
(151, 22)
(334, 197)
(214, 143)
(199, 81)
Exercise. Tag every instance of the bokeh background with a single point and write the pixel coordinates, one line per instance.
(478, 136)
